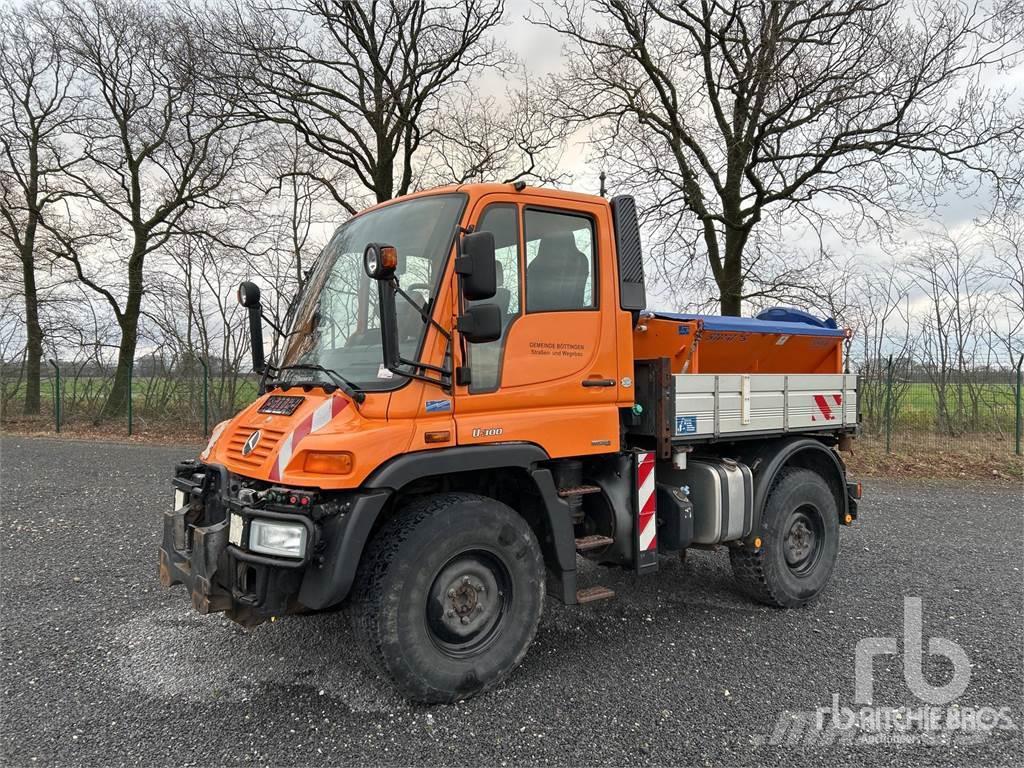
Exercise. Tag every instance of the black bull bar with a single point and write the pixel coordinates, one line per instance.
(251, 587)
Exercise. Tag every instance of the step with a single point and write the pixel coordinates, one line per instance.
(578, 490)
(588, 543)
(591, 594)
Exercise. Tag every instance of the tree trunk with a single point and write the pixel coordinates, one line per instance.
(730, 281)
(384, 180)
(117, 401)
(33, 331)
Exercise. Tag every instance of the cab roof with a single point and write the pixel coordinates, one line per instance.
(478, 190)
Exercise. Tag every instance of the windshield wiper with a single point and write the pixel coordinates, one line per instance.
(343, 384)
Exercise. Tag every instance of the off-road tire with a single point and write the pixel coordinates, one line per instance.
(765, 574)
(395, 596)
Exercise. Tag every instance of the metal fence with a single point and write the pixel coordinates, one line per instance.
(909, 406)
(177, 401)
(905, 406)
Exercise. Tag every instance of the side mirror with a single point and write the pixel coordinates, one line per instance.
(480, 323)
(476, 266)
(249, 297)
(380, 261)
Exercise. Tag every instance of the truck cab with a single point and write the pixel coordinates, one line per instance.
(470, 394)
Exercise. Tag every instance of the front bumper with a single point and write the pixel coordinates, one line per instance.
(251, 587)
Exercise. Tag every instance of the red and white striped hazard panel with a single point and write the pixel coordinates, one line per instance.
(826, 407)
(647, 523)
(314, 422)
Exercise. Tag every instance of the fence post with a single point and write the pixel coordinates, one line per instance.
(1017, 424)
(131, 368)
(888, 406)
(206, 397)
(57, 397)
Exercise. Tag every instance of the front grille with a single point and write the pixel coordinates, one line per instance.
(269, 438)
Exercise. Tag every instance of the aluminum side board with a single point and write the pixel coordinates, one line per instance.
(721, 405)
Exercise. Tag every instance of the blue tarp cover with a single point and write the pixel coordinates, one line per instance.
(779, 320)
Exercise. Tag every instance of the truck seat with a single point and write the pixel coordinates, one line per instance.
(556, 278)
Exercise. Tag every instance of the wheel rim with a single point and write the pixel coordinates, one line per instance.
(467, 603)
(803, 539)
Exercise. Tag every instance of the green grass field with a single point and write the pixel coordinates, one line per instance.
(983, 409)
(977, 414)
(977, 408)
(154, 397)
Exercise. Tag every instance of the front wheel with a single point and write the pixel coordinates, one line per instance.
(799, 542)
(449, 595)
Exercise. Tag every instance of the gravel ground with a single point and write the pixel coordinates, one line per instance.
(101, 666)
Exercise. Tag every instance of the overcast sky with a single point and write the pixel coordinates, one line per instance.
(540, 50)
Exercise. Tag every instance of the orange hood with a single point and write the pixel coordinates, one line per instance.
(274, 446)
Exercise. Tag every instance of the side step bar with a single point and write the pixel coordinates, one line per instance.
(591, 594)
(579, 490)
(589, 543)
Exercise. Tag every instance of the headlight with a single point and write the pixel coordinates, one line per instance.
(271, 537)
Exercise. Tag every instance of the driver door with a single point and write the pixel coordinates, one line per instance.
(550, 378)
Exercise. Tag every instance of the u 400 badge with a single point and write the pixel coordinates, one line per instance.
(486, 431)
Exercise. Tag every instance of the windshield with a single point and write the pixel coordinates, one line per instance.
(336, 322)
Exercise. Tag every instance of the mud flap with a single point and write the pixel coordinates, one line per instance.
(645, 547)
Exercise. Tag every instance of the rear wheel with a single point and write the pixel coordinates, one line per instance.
(799, 542)
(448, 596)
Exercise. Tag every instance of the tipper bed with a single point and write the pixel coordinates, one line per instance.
(708, 378)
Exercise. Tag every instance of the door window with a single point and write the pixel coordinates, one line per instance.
(559, 262)
(502, 220)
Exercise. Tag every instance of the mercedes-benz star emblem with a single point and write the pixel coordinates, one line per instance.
(251, 443)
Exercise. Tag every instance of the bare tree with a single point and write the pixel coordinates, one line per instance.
(950, 272)
(881, 321)
(12, 352)
(36, 108)
(371, 86)
(1006, 242)
(719, 115)
(158, 143)
(294, 184)
(199, 319)
(484, 138)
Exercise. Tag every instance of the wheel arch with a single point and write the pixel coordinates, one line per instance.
(768, 459)
(508, 472)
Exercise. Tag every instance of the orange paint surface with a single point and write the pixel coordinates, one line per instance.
(702, 351)
(550, 364)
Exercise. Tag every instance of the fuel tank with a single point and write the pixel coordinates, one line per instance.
(722, 494)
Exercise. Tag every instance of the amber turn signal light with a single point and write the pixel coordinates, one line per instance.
(441, 436)
(328, 462)
(389, 257)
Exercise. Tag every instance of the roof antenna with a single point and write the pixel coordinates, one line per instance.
(602, 177)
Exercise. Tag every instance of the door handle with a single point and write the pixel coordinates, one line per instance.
(599, 382)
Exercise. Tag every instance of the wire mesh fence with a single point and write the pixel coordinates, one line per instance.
(177, 401)
(905, 405)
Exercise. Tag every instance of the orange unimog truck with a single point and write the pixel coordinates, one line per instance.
(470, 394)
